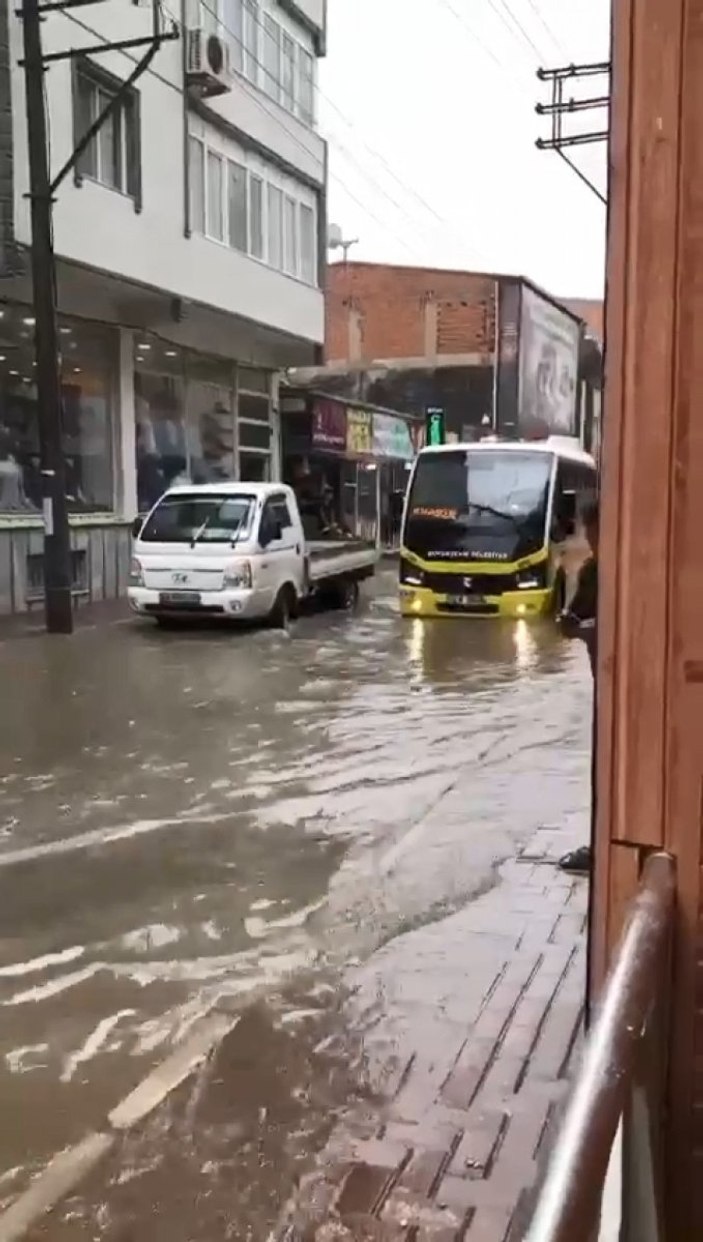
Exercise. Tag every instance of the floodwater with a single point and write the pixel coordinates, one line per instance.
(206, 818)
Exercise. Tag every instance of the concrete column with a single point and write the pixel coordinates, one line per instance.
(126, 457)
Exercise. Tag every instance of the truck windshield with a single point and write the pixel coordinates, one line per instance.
(464, 498)
(199, 518)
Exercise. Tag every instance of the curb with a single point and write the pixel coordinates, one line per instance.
(66, 1170)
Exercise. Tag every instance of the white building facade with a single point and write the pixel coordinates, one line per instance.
(190, 244)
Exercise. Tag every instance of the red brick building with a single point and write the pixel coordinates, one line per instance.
(376, 312)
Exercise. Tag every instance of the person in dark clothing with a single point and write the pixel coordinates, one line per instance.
(579, 621)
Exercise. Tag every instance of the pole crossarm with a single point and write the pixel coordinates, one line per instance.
(562, 106)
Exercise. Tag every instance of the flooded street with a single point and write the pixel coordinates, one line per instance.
(209, 819)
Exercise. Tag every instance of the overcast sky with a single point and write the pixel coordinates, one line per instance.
(428, 106)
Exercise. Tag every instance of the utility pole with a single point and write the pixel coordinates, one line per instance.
(58, 574)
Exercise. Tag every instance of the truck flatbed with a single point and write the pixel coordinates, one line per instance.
(332, 558)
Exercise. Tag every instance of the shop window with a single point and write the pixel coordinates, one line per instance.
(185, 420)
(255, 435)
(112, 157)
(254, 468)
(161, 440)
(211, 424)
(88, 383)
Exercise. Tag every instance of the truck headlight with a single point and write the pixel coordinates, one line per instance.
(238, 575)
(136, 573)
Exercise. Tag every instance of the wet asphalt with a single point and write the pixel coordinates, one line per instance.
(245, 819)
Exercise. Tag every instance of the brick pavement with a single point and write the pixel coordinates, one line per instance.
(450, 1148)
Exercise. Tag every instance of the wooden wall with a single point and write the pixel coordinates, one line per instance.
(650, 698)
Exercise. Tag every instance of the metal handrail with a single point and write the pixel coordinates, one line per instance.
(568, 1207)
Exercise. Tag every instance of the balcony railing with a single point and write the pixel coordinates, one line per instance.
(619, 1091)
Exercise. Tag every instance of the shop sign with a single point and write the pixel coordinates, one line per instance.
(359, 435)
(391, 438)
(329, 425)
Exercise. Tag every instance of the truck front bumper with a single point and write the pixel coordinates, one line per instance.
(233, 603)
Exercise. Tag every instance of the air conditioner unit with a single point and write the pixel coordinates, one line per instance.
(208, 71)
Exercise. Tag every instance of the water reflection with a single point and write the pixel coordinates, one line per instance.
(443, 652)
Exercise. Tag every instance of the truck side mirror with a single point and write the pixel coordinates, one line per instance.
(137, 525)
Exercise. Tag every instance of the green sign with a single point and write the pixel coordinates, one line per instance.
(434, 426)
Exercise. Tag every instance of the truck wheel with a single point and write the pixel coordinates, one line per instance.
(283, 610)
(347, 596)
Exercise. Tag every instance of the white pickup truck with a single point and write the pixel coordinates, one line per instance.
(237, 551)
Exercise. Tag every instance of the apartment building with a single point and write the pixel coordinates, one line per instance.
(190, 255)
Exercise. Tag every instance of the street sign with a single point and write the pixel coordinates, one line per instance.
(434, 424)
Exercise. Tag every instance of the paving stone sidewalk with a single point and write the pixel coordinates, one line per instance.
(453, 1148)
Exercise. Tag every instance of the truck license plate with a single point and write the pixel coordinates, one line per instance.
(179, 599)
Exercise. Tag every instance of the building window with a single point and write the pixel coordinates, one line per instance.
(272, 57)
(233, 22)
(112, 157)
(230, 202)
(306, 86)
(275, 227)
(308, 246)
(237, 202)
(256, 217)
(197, 185)
(290, 229)
(287, 72)
(215, 224)
(89, 376)
(251, 40)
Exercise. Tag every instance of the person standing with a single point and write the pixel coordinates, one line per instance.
(579, 621)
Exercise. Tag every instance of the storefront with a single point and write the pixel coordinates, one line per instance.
(139, 414)
(359, 455)
(90, 365)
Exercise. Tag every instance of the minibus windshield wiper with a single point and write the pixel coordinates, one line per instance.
(499, 513)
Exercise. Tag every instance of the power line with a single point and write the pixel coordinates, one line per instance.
(546, 27)
(516, 24)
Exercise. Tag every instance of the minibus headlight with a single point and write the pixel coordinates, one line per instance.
(531, 579)
(410, 575)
